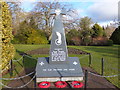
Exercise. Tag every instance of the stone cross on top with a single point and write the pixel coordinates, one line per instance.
(58, 49)
(58, 12)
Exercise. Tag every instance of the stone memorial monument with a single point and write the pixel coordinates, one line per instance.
(58, 67)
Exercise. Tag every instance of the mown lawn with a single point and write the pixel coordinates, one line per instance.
(109, 53)
(111, 57)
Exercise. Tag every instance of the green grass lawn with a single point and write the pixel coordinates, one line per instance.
(109, 53)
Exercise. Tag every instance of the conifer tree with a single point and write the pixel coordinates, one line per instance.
(98, 30)
(7, 52)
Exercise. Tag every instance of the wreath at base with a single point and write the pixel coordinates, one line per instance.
(60, 84)
(77, 84)
(44, 85)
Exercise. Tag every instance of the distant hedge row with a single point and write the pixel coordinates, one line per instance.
(75, 37)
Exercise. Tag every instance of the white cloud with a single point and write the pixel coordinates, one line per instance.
(104, 24)
(76, 13)
(103, 11)
(79, 11)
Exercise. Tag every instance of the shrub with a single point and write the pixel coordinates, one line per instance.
(37, 37)
(86, 41)
(70, 42)
(37, 40)
(116, 36)
(73, 37)
(99, 41)
(16, 40)
(33, 37)
(20, 39)
(109, 42)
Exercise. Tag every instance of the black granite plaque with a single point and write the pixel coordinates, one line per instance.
(57, 72)
(58, 50)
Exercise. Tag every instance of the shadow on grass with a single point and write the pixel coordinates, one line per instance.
(21, 53)
(108, 51)
(29, 63)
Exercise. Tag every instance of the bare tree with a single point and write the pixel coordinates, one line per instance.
(42, 15)
(17, 15)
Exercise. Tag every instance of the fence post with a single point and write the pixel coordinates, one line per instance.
(102, 66)
(11, 68)
(89, 59)
(35, 81)
(86, 79)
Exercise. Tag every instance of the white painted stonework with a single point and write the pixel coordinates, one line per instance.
(54, 79)
(41, 63)
(75, 63)
(58, 41)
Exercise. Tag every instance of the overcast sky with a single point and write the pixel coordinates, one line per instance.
(101, 11)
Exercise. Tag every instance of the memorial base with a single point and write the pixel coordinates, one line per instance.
(70, 71)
